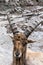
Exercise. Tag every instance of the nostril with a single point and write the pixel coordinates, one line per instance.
(17, 54)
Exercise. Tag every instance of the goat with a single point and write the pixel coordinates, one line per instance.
(19, 51)
(20, 41)
(22, 56)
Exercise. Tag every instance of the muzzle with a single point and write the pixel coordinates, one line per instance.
(17, 54)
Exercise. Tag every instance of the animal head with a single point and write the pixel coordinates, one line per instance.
(20, 41)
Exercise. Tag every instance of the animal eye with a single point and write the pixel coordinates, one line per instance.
(24, 43)
(14, 48)
(18, 36)
(13, 40)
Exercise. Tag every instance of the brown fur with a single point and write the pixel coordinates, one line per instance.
(20, 42)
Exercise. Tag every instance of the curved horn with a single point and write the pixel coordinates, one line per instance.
(32, 28)
(12, 25)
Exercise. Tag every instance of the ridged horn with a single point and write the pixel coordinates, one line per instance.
(12, 25)
(32, 27)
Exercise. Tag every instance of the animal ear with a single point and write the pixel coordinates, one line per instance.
(30, 41)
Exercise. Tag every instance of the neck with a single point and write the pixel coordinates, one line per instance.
(20, 61)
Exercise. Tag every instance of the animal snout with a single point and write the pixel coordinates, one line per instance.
(17, 54)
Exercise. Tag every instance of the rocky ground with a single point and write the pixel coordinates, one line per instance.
(30, 13)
